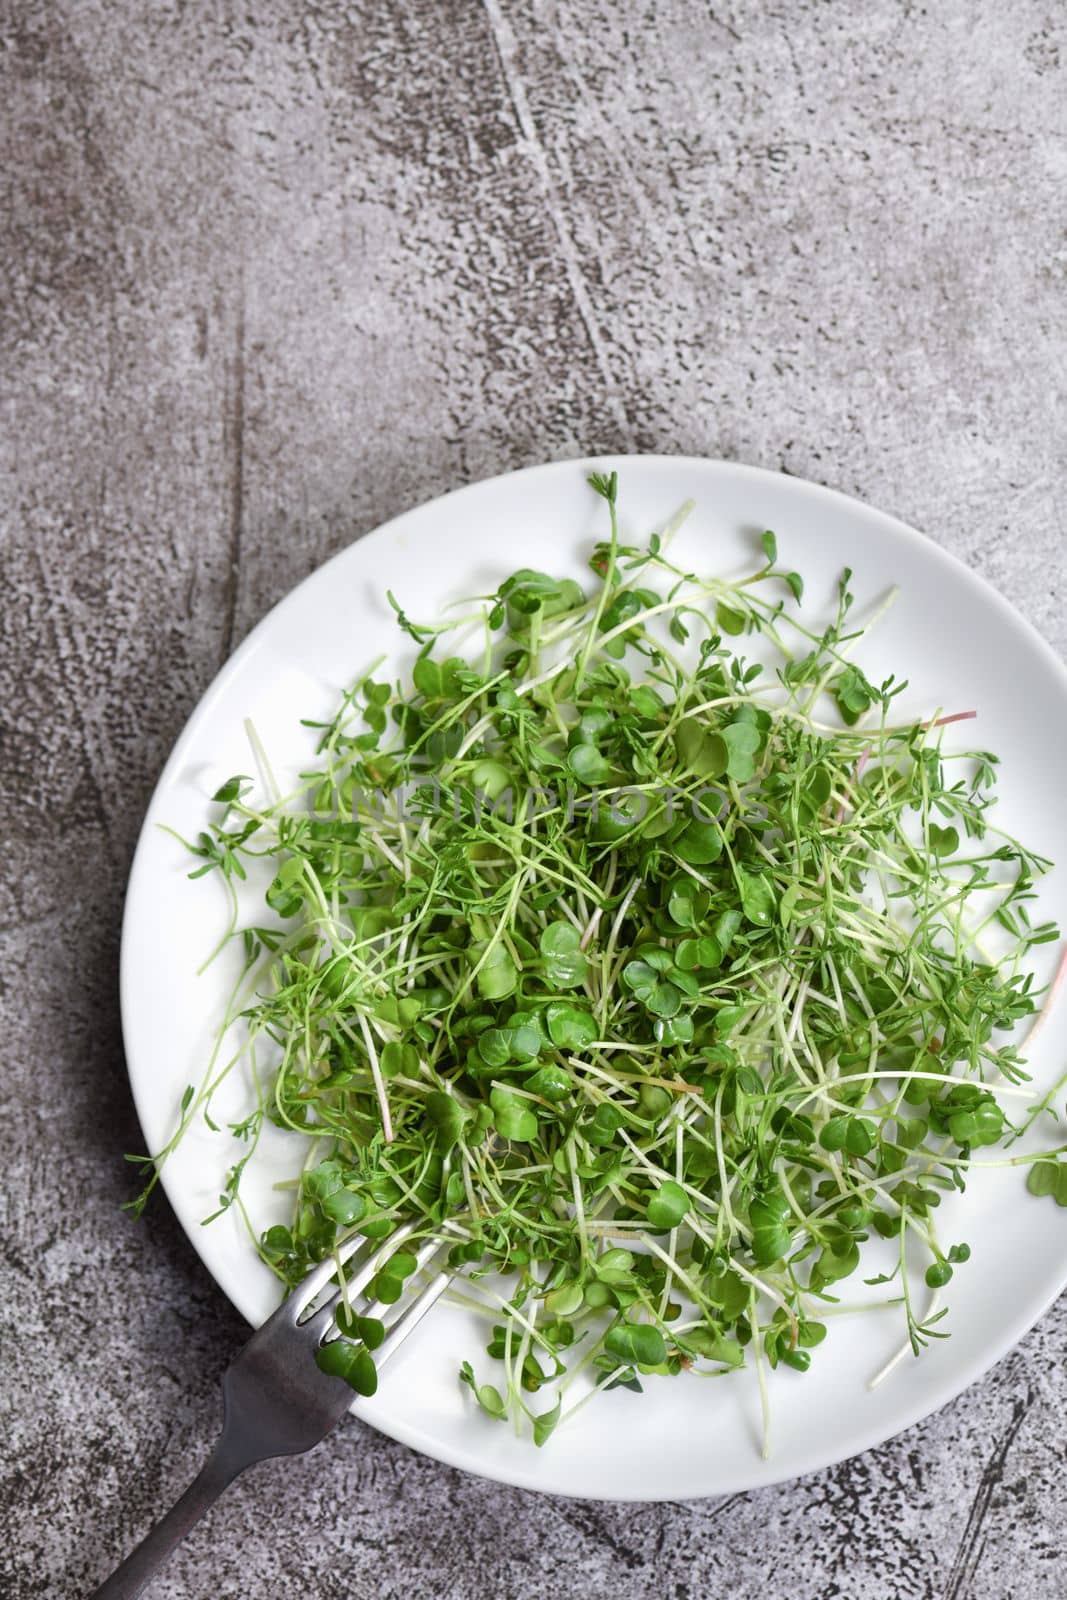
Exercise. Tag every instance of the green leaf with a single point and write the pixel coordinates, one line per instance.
(490, 778)
(627, 605)
(396, 1058)
(229, 791)
(497, 976)
(588, 765)
(728, 1291)
(860, 1136)
(657, 994)
(832, 1265)
(564, 1300)
(757, 898)
(770, 1231)
(725, 928)
(605, 484)
(855, 1135)
(742, 738)
(693, 954)
(401, 1264)
(699, 843)
(667, 1206)
(527, 591)
(815, 791)
(348, 1362)
(282, 895)
(426, 676)
(513, 1116)
(324, 1180)
(687, 903)
(638, 1342)
(565, 963)
(550, 1082)
(524, 1030)
(713, 1346)
(669, 1031)
(344, 1207)
(854, 695)
(448, 1117)
(494, 1047)
(770, 546)
(943, 841)
(386, 1287)
(545, 1424)
(486, 1394)
(604, 1125)
(979, 1124)
(701, 751)
(369, 1330)
(1043, 1178)
(569, 1027)
(559, 938)
(1047, 1177)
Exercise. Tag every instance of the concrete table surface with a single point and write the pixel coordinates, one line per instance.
(273, 272)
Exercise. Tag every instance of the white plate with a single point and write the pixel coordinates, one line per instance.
(960, 645)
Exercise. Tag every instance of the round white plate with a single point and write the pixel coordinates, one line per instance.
(958, 643)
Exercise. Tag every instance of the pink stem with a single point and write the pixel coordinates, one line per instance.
(1050, 999)
(857, 774)
(943, 722)
(861, 764)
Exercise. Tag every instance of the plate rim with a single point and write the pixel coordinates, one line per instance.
(909, 1416)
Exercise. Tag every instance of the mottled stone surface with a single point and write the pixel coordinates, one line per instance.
(273, 272)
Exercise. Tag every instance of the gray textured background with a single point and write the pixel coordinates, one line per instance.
(276, 271)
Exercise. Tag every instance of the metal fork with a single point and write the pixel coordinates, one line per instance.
(276, 1399)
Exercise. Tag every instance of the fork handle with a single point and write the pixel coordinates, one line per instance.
(142, 1564)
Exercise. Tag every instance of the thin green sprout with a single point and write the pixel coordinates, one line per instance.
(660, 1059)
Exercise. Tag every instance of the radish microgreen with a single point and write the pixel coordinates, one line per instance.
(666, 986)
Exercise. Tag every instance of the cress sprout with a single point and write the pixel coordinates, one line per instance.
(674, 980)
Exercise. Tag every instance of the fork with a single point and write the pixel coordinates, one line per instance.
(276, 1399)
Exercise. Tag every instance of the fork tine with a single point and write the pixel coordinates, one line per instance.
(409, 1321)
(370, 1253)
(412, 1313)
(359, 1280)
(322, 1321)
(313, 1285)
(423, 1256)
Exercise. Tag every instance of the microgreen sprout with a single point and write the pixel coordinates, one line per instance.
(660, 982)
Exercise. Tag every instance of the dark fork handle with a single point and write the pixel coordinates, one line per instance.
(276, 1402)
(142, 1564)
